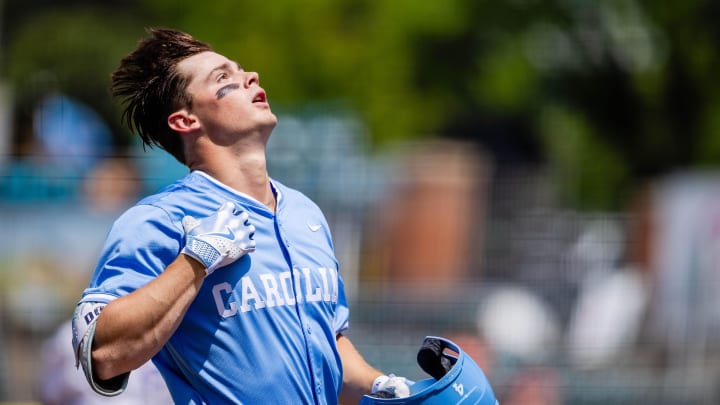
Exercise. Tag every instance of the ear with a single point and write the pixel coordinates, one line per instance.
(182, 121)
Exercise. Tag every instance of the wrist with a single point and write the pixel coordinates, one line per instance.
(197, 266)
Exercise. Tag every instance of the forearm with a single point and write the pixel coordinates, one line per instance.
(358, 375)
(133, 328)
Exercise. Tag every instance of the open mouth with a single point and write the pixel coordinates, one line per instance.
(260, 98)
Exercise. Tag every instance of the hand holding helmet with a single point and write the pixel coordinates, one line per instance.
(456, 378)
(391, 386)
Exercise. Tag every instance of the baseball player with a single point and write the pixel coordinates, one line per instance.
(227, 278)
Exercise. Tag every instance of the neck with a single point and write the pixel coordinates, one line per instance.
(247, 174)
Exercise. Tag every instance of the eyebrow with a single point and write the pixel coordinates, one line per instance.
(222, 68)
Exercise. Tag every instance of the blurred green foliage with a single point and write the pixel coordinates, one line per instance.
(611, 92)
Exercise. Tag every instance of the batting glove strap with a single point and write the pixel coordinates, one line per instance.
(391, 386)
(203, 252)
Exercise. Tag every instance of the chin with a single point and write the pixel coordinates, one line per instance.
(272, 120)
(269, 125)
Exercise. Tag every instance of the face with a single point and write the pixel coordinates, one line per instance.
(225, 98)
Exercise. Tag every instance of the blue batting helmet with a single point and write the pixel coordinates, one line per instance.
(456, 379)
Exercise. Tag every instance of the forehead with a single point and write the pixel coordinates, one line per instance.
(198, 66)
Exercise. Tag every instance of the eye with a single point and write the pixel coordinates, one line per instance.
(221, 77)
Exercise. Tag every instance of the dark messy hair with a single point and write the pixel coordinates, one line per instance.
(149, 86)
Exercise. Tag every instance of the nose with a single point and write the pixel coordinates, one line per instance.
(251, 78)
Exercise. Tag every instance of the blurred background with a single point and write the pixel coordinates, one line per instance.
(536, 180)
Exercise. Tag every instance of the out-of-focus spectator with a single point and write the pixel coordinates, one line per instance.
(517, 323)
(113, 184)
(685, 266)
(69, 133)
(64, 142)
(429, 220)
(606, 320)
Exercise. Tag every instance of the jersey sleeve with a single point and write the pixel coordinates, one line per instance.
(140, 245)
(342, 311)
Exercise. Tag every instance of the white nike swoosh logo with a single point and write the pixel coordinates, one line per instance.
(314, 227)
(229, 235)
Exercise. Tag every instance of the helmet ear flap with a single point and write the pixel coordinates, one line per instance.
(432, 358)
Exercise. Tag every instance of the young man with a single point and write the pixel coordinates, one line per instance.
(226, 279)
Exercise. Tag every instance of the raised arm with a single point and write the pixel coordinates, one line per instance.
(133, 328)
(115, 338)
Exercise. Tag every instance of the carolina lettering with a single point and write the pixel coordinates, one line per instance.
(270, 290)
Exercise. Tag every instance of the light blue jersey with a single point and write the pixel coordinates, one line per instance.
(261, 330)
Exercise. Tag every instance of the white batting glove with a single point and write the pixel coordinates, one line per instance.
(219, 239)
(391, 386)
